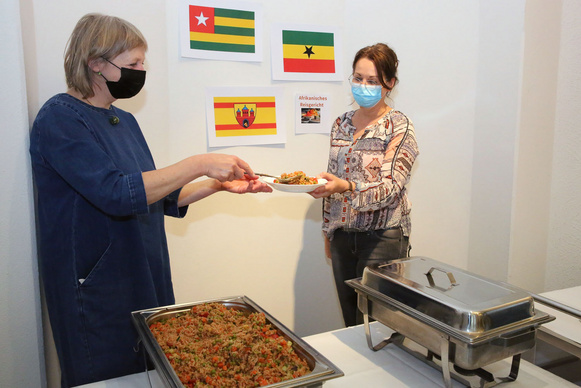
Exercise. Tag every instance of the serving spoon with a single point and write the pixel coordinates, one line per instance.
(280, 180)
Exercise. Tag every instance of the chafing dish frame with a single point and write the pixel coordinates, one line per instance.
(321, 368)
(468, 354)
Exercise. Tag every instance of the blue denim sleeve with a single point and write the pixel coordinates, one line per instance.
(103, 166)
(171, 207)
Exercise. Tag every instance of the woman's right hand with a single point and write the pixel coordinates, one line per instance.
(225, 168)
(333, 185)
(220, 167)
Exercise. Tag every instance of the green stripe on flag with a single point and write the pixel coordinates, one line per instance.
(307, 38)
(233, 31)
(233, 13)
(210, 46)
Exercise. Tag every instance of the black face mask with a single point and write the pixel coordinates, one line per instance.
(129, 84)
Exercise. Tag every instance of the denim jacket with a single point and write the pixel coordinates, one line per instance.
(102, 250)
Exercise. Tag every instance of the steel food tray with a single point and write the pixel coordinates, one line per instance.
(469, 307)
(321, 368)
(459, 317)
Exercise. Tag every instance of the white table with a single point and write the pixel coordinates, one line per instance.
(565, 325)
(389, 367)
(564, 333)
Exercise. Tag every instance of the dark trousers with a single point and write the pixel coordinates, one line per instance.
(351, 252)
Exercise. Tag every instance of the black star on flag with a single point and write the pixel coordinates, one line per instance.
(309, 51)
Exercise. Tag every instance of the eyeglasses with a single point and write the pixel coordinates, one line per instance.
(356, 80)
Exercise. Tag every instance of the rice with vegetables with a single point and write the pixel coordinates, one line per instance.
(298, 178)
(214, 346)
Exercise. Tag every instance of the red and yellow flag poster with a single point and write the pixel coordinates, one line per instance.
(308, 52)
(237, 116)
(245, 116)
(221, 29)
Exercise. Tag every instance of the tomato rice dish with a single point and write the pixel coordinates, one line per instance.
(214, 346)
(298, 178)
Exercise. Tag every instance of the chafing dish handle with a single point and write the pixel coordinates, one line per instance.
(449, 274)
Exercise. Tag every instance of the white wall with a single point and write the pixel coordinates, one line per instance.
(500, 50)
(465, 66)
(437, 44)
(533, 159)
(267, 247)
(563, 265)
(21, 359)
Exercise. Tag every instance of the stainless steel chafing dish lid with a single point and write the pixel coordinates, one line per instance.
(461, 300)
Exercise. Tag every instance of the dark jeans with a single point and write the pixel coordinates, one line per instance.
(351, 252)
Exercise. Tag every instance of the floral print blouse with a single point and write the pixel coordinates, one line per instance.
(380, 164)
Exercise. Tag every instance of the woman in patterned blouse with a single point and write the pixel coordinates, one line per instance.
(366, 212)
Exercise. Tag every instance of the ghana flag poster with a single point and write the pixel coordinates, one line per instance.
(221, 29)
(244, 116)
(306, 53)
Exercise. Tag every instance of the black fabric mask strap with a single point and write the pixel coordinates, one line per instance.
(112, 63)
(101, 74)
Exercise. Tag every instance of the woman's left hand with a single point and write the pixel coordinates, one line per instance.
(333, 185)
(246, 185)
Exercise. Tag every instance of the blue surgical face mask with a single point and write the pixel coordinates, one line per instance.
(366, 95)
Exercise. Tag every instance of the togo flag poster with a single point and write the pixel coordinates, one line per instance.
(221, 29)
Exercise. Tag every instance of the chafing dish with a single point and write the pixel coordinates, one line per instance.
(321, 368)
(464, 321)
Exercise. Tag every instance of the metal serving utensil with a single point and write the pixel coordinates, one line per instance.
(280, 180)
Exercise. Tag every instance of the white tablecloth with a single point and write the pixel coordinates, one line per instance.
(390, 367)
(564, 324)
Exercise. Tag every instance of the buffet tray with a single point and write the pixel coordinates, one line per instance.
(466, 306)
(460, 317)
(321, 368)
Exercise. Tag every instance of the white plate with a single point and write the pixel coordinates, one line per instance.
(293, 188)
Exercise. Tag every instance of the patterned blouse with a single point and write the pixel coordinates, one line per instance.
(379, 163)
